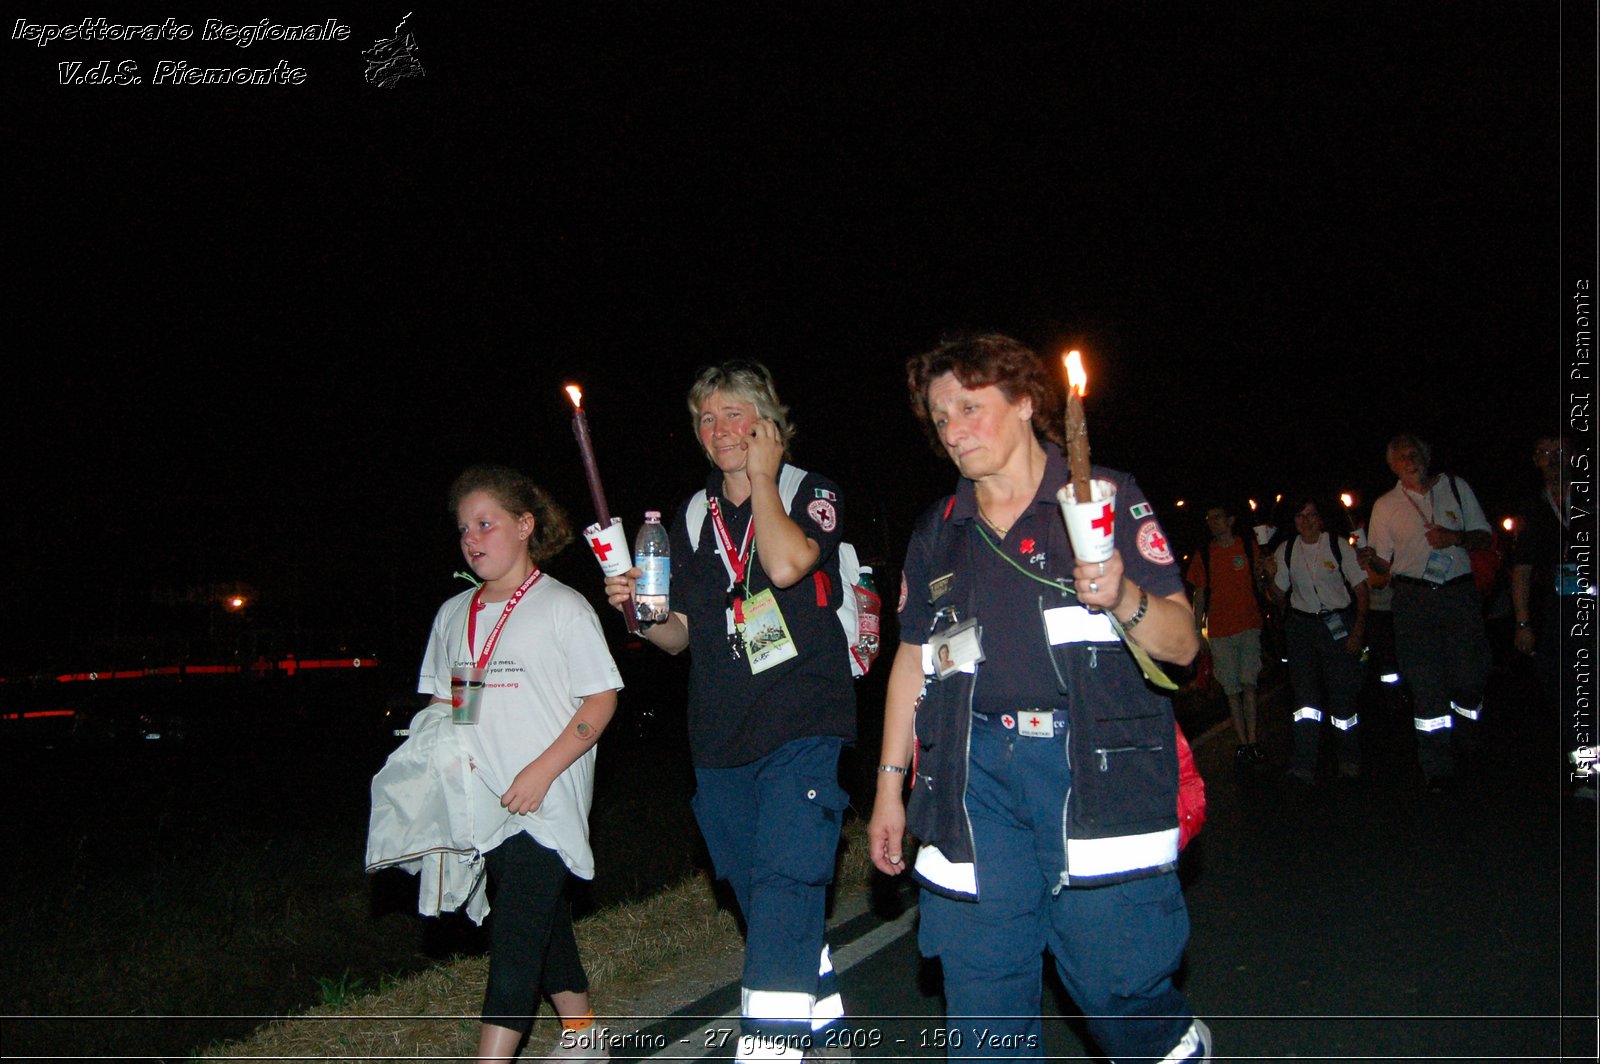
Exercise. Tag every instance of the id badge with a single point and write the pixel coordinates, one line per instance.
(1568, 582)
(1335, 622)
(1438, 567)
(765, 636)
(957, 649)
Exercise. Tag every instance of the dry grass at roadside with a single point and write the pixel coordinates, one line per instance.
(632, 952)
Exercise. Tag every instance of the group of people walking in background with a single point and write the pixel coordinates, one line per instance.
(1403, 596)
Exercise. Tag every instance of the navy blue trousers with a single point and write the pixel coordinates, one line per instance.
(1115, 947)
(772, 828)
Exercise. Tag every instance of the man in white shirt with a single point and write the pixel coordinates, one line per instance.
(1421, 531)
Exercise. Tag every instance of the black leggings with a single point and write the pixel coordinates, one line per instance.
(531, 945)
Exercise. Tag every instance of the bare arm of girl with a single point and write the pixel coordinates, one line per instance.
(527, 791)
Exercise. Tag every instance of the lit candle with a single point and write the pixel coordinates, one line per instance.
(591, 472)
(1348, 500)
(1077, 427)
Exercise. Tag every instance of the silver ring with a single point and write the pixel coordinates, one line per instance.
(1102, 568)
(1094, 588)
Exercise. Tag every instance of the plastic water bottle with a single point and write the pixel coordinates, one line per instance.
(867, 620)
(652, 555)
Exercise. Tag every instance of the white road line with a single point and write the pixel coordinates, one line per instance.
(844, 958)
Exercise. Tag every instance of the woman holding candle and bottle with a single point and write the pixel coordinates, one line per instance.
(1043, 770)
(755, 586)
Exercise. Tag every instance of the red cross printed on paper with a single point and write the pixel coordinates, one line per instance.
(600, 547)
(1104, 522)
(1034, 722)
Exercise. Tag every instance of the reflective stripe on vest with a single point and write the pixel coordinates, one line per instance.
(1431, 724)
(1346, 723)
(1311, 713)
(1087, 858)
(1469, 713)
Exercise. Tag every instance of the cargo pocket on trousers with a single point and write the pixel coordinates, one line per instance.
(808, 839)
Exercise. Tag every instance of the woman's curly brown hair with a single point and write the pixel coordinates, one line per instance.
(984, 359)
(552, 531)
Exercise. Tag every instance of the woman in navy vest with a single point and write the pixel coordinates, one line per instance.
(1042, 765)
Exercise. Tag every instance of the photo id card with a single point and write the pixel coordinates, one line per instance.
(1438, 568)
(957, 649)
(1335, 622)
(765, 636)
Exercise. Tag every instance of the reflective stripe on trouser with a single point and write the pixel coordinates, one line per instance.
(772, 828)
(818, 1010)
(1115, 946)
(1194, 1045)
(1444, 656)
(1323, 674)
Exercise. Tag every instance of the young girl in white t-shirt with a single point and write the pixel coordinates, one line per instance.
(548, 693)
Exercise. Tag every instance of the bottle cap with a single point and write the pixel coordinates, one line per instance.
(652, 515)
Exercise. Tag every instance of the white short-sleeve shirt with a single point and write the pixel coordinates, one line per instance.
(549, 657)
(1313, 578)
(1400, 520)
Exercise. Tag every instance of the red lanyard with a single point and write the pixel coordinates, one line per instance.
(494, 636)
(736, 560)
(1427, 518)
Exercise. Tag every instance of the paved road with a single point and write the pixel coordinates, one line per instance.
(1363, 919)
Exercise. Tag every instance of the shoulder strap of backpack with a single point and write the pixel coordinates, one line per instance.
(695, 516)
(789, 481)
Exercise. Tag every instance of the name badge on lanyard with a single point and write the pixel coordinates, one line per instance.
(763, 633)
(1334, 619)
(1437, 571)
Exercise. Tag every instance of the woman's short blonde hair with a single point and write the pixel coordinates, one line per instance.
(743, 379)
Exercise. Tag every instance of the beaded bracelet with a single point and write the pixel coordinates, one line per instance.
(892, 768)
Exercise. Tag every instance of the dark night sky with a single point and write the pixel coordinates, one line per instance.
(261, 327)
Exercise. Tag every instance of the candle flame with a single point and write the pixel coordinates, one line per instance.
(1508, 524)
(1252, 503)
(1346, 498)
(576, 394)
(1076, 377)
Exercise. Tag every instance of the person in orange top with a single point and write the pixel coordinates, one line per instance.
(1222, 574)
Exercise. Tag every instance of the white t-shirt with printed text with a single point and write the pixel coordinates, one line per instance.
(549, 657)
